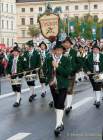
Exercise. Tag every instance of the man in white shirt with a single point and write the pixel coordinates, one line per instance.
(94, 66)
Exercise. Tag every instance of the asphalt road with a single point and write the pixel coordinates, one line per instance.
(36, 121)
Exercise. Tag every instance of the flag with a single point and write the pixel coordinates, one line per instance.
(72, 28)
(83, 29)
(94, 31)
(102, 32)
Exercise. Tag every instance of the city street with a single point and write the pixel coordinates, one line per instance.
(36, 121)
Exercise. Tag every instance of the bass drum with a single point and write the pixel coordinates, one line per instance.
(16, 81)
(98, 77)
(31, 77)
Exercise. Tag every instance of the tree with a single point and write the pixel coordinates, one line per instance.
(33, 31)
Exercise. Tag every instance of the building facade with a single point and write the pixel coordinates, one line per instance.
(28, 11)
(7, 22)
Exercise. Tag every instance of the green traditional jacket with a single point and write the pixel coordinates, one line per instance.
(89, 63)
(73, 60)
(81, 61)
(33, 61)
(20, 65)
(62, 72)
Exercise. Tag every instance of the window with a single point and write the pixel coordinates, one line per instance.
(2, 7)
(31, 21)
(2, 24)
(2, 40)
(95, 6)
(95, 18)
(58, 10)
(67, 8)
(23, 9)
(85, 7)
(7, 7)
(7, 24)
(11, 8)
(23, 33)
(23, 21)
(8, 41)
(40, 9)
(12, 25)
(31, 9)
(12, 41)
(76, 7)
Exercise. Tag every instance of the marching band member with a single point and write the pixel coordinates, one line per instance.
(43, 53)
(81, 56)
(32, 63)
(72, 54)
(15, 66)
(94, 65)
(1, 66)
(57, 69)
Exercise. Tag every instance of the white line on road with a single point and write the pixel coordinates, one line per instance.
(12, 93)
(82, 102)
(19, 136)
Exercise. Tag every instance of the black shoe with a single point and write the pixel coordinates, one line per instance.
(80, 79)
(43, 94)
(16, 104)
(57, 131)
(51, 104)
(31, 98)
(94, 103)
(67, 111)
(85, 78)
(61, 127)
(98, 104)
(102, 98)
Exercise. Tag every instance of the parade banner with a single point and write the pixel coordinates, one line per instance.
(102, 32)
(94, 32)
(49, 24)
(83, 30)
(72, 28)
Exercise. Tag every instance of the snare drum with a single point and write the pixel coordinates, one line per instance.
(16, 81)
(98, 77)
(31, 77)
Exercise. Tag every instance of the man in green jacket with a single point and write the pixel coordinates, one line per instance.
(32, 63)
(15, 70)
(72, 55)
(94, 66)
(57, 69)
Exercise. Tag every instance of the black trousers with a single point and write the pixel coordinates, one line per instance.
(16, 88)
(31, 83)
(58, 97)
(96, 86)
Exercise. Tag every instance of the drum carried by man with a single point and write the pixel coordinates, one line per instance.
(15, 70)
(32, 63)
(94, 68)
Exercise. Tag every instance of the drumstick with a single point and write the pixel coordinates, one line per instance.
(24, 73)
